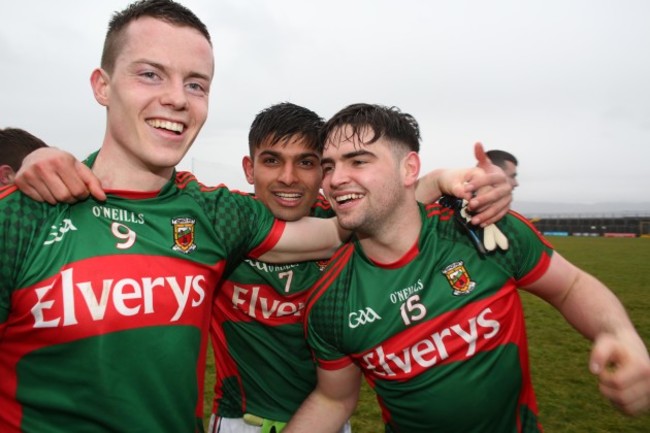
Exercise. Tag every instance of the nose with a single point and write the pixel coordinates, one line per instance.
(336, 176)
(288, 174)
(174, 95)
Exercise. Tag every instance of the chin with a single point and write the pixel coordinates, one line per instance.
(288, 215)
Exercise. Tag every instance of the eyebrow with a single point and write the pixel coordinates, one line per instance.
(350, 155)
(302, 155)
(164, 68)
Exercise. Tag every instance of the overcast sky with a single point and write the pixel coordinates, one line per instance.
(562, 84)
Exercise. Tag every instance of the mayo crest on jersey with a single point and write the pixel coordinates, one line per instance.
(440, 334)
(105, 307)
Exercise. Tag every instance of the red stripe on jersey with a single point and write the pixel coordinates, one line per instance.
(133, 195)
(7, 190)
(185, 177)
(411, 254)
(532, 227)
(336, 265)
(322, 203)
(79, 302)
(540, 269)
(82, 301)
(334, 268)
(436, 209)
(271, 240)
(453, 336)
(335, 364)
(260, 303)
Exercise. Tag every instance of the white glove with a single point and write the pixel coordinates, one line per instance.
(492, 236)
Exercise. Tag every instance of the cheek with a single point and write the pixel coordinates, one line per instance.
(200, 109)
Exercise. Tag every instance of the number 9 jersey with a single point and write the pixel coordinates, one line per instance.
(105, 306)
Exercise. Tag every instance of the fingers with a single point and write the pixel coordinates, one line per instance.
(55, 176)
(623, 376)
(91, 182)
(481, 157)
(490, 204)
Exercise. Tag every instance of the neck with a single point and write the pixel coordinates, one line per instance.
(119, 172)
(396, 237)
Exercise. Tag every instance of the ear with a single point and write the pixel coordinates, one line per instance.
(100, 83)
(247, 164)
(6, 175)
(411, 168)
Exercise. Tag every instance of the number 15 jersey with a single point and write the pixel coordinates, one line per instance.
(439, 334)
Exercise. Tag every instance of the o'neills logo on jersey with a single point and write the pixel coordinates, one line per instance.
(268, 267)
(407, 354)
(459, 278)
(184, 235)
(66, 301)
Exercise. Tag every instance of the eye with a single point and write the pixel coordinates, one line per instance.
(269, 160)
(327, 168)
(149, 75)
(307, 163)
(197, 88)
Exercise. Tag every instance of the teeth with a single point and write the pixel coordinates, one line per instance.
(166, 124)
(287, 195)
(347, 197)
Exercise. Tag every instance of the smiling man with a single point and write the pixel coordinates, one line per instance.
(105, 305)
(434, 325)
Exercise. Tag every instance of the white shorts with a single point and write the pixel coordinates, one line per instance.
(237, 425)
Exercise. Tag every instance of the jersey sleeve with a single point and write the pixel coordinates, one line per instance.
(21, 221)
(325, 351)
(263, 230)
(325, 315)
(529, 253)
(241, 221)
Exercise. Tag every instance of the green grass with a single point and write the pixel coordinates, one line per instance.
(567, 394)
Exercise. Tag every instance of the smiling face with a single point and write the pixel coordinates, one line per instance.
(286, 176)
(364, 182)
(156, 96)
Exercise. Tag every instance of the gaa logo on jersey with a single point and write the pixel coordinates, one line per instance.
(183, 235)
(459, 278)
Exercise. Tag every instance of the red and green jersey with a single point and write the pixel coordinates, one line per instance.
(263, 363)
(439, 334)
(104, 306)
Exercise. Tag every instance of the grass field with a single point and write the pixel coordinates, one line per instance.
(567, 394)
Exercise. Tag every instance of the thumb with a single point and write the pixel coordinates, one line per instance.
(605, 354)
(91, 181)
(480, 155)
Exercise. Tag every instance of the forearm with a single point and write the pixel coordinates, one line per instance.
(428, 189)
(318, 414)
(307, 239)
(585, 302)
(592, 309)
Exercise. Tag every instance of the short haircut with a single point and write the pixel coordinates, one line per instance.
(384, 122)
(499, 157)
(15, 145)
(165, 10)
(283, 121)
